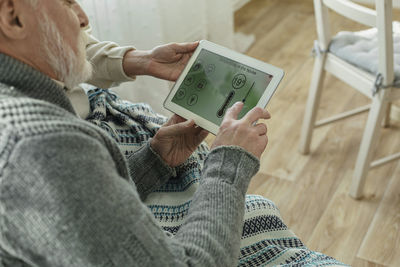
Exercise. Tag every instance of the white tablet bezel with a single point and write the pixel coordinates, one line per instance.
(277, 75)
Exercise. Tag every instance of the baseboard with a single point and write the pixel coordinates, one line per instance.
(243, 41)
(395, 112)
(239, 3)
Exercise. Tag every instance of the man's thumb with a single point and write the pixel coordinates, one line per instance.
(179, 128)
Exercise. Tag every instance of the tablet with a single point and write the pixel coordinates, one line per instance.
(217, 77)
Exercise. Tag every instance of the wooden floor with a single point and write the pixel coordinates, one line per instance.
(312, 191)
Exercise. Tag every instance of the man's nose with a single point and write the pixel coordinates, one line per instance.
(83, 18)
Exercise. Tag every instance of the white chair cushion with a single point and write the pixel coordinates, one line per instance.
(361, 49)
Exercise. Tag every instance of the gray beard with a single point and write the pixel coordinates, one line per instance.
(69, 68)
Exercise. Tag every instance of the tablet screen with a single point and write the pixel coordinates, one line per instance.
(214, 83)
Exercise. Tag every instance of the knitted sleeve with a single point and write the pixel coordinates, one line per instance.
(106, 58)
(148, 170)
(64, 210)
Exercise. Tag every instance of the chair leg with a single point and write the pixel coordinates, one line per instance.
(370, 137)
(386, 119)
(314, 96)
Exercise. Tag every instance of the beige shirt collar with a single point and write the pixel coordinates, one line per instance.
(79, 100)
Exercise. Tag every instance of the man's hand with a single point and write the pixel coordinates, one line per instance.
(164, 61)
(244, 133)
(168, 61)
(176, 140)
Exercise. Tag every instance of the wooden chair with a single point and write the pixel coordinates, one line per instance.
(361, 80)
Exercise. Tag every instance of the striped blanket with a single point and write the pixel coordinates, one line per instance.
(266, 240)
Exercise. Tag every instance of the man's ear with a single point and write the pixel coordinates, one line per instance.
(12, 19)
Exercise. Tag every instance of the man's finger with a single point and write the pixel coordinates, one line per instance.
(179, 119)
(185, 47)
(200, 136)
(200, 131)
(174, 120)
(179, 128)
(256, 114)
(234, 111)
(261, 128)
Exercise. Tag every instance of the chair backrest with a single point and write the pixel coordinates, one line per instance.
(381, 18)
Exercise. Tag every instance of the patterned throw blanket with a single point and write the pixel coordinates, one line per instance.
(266, 240)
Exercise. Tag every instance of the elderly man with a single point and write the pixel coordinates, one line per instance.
(67, 195)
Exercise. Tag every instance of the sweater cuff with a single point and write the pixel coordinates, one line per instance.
(148, 170)
(231, 164)
(115, 66)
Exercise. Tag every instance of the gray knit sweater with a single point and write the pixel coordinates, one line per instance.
(69, 198)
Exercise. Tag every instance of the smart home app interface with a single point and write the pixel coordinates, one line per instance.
(214, 83)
